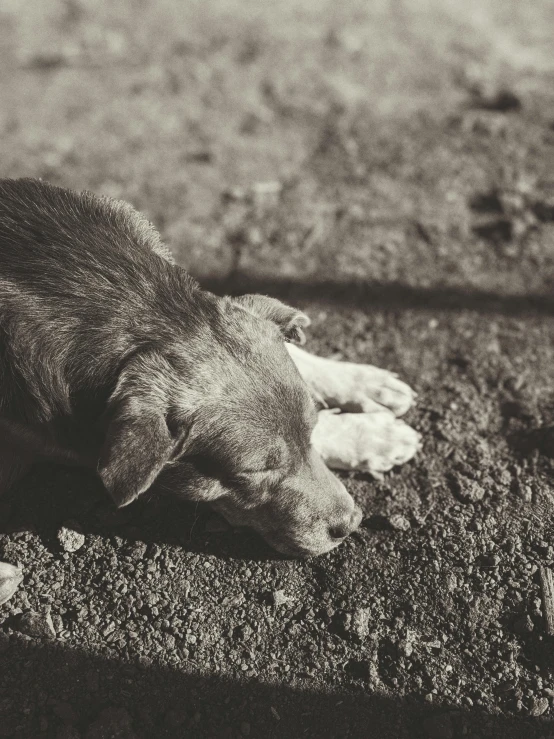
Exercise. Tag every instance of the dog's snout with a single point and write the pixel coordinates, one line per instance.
(346, 527)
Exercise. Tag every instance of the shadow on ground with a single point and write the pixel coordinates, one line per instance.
(367, 294)
(52, 495)
(99, 697)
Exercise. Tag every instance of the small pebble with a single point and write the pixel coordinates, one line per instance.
(279, 597)
(407, 645)
(70, 538)
(399, 522)
(38, 625)
(526, 493)
(360, 622)
(539, 706)
(469, 491)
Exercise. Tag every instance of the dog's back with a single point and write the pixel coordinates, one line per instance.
(78, 271)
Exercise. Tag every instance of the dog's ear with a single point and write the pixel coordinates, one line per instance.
(290, 320)
(138, 442)
(137, 446)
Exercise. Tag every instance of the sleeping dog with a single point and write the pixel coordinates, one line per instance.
(113, 357)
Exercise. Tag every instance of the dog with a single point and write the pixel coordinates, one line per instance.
(113, 357)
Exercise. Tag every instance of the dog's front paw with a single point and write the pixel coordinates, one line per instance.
(369, 442)
(364, 388)
(357, 388)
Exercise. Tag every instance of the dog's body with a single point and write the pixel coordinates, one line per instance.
(113, 357)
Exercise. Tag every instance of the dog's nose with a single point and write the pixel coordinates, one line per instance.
(350, 524)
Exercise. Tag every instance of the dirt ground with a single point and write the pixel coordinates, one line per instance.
(389, 168)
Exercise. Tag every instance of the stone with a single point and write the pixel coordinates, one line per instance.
(70, 538)
(37, 625)
(539, 706)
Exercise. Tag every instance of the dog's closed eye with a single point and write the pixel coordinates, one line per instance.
(274, 460)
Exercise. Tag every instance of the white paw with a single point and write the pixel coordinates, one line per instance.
(364, 388)
(352, 387)
(370, 442)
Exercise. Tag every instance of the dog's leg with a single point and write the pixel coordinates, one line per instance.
(369, 442)
(352, 387)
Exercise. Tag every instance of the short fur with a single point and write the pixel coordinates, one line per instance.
(113, 356)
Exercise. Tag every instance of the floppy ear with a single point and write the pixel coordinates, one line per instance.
(290, 320)
(135, 450)
(138, 442)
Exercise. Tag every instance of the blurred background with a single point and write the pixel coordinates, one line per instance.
(395, 141)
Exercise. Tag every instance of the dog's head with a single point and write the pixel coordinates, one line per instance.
(226, 418)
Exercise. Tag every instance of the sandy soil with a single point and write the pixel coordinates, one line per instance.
(388, 167)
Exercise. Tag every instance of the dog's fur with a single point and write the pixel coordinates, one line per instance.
(113, 357)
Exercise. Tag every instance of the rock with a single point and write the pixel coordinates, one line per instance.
(279, 597)
(57, 622)
(109, 629)
(439, 726)
(399, 522)
(137, 550)
(70, 537)
(351, 623)
(539, 706)
(359, 623)
(37, 625)
(526, 493)
(406, 646)
(10, 579)
(466, 490)
(244, 632)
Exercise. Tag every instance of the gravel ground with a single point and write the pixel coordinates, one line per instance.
(389, 170)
